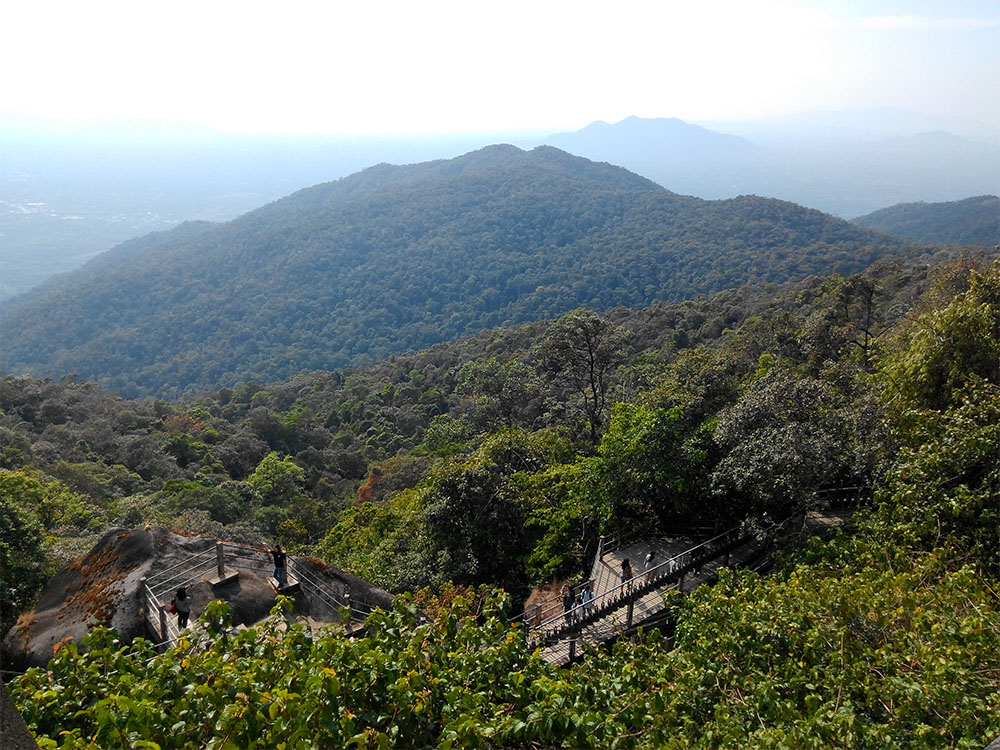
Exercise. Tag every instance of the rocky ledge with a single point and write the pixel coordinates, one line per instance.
(104, 588)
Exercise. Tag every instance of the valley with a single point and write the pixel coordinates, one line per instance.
(396, 259)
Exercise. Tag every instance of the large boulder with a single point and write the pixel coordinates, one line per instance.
(104, 588)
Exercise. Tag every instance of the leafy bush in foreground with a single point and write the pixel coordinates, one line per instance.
(864, 658)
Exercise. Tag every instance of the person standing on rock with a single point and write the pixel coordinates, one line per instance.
(181, 604)
(279, 565)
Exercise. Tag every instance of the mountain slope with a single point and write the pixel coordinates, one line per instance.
(398, 258)
(973, 221)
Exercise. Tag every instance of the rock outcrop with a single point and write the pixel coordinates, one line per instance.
(104, 588)
(14, 733)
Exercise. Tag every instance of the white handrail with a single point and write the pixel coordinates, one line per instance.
(183, 575)
(182, 562)
(676, 562)
(326, 593)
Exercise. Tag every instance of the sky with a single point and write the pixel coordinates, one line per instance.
(376, 67)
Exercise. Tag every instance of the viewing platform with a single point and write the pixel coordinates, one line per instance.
(226, 565)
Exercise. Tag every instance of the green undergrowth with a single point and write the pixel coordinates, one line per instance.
(902, 655)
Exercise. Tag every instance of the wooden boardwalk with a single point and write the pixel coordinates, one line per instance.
(619, 608)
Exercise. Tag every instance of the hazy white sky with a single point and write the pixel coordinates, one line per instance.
(430, 66)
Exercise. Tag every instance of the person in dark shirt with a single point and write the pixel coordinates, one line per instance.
(568, 604)
(182, 606)
(279, 565)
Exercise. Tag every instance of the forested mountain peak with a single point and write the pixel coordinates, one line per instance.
(487, 161)
(398, 258)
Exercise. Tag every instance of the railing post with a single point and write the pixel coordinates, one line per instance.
(680, 583)
(538, 615)
(143, 600)
(600, 548)
(164, 633)
(628, 618)
(350, 611)
(572, 648)
(220, 560)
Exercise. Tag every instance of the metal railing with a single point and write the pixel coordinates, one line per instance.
(359, 609)
(544, 609)
(607, 544)
(156, 616)
(221, 556)
(179, 573)
(628, 591)
(595, 621)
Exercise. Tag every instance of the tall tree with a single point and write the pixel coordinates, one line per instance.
(502, 391)
(950, 348)
(581, 350)
(22, 558)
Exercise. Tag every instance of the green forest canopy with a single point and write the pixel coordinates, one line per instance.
(884, 635)
(397, 259)
(971, 221)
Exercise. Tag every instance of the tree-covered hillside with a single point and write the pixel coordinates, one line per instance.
(397, 259)
(294, 459)
(886, 634)
(973, 221)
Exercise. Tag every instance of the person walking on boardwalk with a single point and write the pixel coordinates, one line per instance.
(568, 604)
(279, 565)
(626, 572)
(649, 563)
(587, 599)
(181, 604)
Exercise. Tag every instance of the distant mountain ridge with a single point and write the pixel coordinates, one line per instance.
(973, 221)
(640, 137)
(397, 258)
(846, 177)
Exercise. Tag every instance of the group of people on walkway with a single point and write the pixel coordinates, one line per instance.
(647, 567)
(579, 605)
(584, 598)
